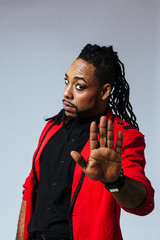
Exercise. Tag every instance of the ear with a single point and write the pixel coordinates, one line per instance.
(106, 90)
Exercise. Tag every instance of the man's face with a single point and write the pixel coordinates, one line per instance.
(82, 93)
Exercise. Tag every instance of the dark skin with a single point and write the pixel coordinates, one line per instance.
(84, 92)
(105, 162)
(20, 227)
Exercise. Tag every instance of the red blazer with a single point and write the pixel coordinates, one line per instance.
(94, 214)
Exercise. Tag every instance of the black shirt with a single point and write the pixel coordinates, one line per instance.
(51, 212)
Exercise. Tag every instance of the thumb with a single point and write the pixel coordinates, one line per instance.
(77, 157)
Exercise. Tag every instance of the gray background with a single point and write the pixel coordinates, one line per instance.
(38, 41)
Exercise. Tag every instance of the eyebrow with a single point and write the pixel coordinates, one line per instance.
(76, 78)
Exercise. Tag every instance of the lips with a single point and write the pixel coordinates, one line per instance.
(67, 106)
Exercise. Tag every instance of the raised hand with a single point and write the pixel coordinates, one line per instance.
(104, 163)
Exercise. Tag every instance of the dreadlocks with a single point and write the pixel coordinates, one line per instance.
(109, 69)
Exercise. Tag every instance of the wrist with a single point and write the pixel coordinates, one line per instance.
(115, 186)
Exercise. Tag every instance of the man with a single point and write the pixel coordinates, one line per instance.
(89, 162)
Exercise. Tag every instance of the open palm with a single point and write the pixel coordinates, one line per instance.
(104, 162)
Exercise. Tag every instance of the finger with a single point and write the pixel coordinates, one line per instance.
(119, 142)
(93, 136)
(110, 135)
(103, 132)
(77, 157)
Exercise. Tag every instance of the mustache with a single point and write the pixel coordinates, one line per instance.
(69, 103)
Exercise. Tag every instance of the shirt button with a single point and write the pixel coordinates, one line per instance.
(49, 208)
(62, 162)
(54, 184)
(43, 237)
(72, 140)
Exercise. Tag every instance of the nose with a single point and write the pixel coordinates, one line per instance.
(68, 92)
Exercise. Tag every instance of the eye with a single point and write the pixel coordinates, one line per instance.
(80, 87)
(66, 81)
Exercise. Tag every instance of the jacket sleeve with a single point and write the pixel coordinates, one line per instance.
(133, 163)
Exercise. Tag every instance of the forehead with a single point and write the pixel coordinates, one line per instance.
(81, 68)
